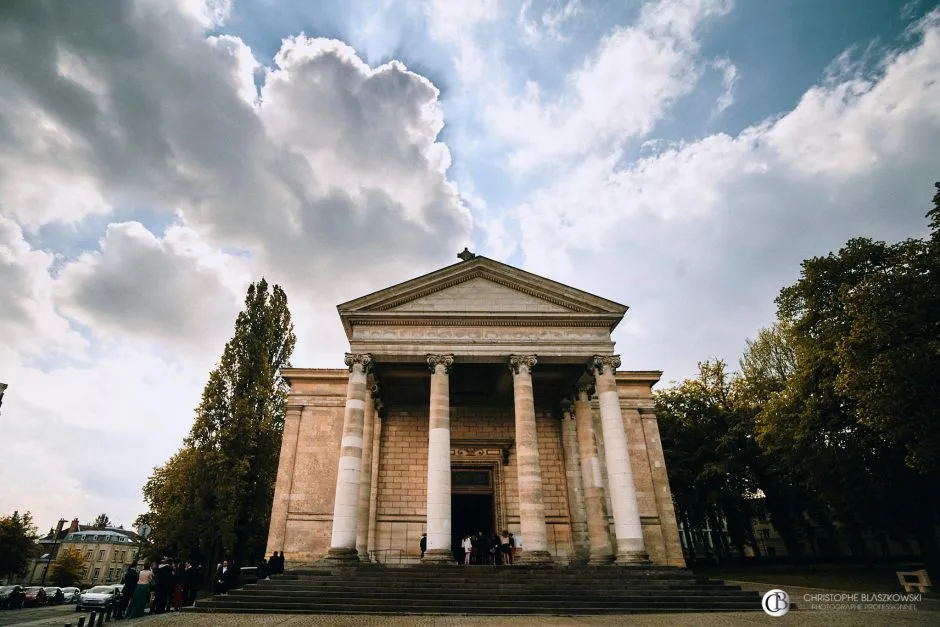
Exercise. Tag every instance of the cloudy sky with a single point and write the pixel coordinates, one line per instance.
(679, 156)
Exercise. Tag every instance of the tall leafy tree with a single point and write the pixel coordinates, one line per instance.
(18, 547)
(214, 496)
(68, 568)
(707, 441)
(858, 413)
(101, 521)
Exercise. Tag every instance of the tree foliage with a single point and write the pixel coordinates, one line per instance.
(68, 568)
(213, 497)
(834, 412)
(18, 546)
(101, 521)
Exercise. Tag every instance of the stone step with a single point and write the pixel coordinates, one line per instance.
(544, 594)
(564, 609)
(369, 589)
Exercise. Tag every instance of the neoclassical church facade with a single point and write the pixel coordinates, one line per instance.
(476, 398)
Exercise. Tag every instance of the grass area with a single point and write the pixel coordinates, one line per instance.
(847, 577)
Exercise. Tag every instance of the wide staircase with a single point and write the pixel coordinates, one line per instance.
(374, 589)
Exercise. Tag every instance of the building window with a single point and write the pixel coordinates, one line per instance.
(123, 555)
(97, 572)
(88, 554)
(100, 555)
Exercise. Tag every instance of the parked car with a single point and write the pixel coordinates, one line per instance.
(99, 597)
(54, 595)
(71, 594)
(11, 597)
(35, 596)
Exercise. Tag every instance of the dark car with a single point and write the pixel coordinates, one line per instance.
(54, 595)
(99, 597)
(35, 596)
(12, 597)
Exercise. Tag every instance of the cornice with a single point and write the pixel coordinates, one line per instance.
(462, 319)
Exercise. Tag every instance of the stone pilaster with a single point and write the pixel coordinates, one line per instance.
(376, 459)
(365, 478)
(346, 502)
(627, 527)
(531, 505)
(595, 503)
(438, 512)
(277, 530)
(576, 509)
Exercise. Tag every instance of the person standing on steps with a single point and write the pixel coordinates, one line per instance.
(467, 547)
(504, 548)
(423, 544)
(512, 547)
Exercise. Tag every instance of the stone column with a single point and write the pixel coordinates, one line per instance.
(531, 506)
(627, 527)
(438, 512)
(365, 477)
(346, 503)
(277, 533)
(376, 453)
(595, 504)
(576, 509)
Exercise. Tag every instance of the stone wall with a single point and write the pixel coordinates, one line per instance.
(402, 478)
(302, 515)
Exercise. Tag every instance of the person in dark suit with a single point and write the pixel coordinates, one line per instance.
(223, 578)
(423, 544)
(130, 584)
(189, 584)
(164, 578)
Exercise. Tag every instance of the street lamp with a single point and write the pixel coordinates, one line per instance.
(55, 543)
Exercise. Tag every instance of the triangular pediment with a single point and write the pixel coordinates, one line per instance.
(480, 294)
(482, 285)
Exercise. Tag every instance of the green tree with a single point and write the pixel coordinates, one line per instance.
(214, 496)
(101, 522)
(709, 454)
(857, 413)
(18, 546)
(68, 568)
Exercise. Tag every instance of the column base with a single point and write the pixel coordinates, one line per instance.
(341, 556)
(601, 559)
(533, 558)
(438, 556)
(364, 556)
(633, 558)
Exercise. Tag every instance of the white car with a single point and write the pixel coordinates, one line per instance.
(97, 598)
(71, 594)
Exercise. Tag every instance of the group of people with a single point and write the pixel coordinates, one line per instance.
(495, 549)
(481, 549)
(173, 584)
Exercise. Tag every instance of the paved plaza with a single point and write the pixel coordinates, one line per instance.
(808, 618)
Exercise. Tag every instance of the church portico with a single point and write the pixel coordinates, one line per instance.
(453, 414)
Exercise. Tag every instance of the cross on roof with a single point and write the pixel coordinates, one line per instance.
(466, 255)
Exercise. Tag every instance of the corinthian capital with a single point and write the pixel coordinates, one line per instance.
(517, 362)
(440, 360)
(585, 391)
(363, 359)
(601, 363)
